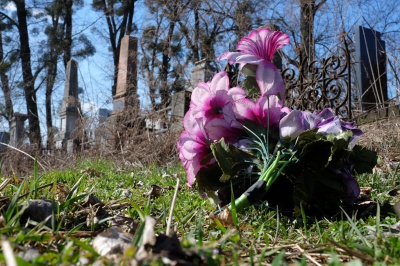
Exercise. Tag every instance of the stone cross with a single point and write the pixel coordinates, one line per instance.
(70, 108)
(17, 129)
(126, 91)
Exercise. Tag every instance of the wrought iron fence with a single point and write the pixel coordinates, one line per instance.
(322, 83)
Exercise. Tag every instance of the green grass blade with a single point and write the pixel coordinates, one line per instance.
(233, 209)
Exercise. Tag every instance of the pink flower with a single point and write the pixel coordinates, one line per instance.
(295, 123)
(211, 105)
(209, 119)
(193, 147)
(258, 49)
(267, 111)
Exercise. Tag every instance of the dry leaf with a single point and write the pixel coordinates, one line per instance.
(155, 191)
(149, 239)
(112, 241)
(91, 172)
(224, 217)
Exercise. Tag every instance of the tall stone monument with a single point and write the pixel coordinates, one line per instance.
(126, 91)
(70, 108)
(17, 129)
(370, 68)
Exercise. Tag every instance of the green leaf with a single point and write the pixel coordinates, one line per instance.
(230, 159)
(345, 135)
(84, 246)
(305, 138)
(251, 87)
(208, 178)
(316, 154)
(364, 160)
(340, 153)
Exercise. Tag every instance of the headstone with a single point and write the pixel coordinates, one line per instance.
(104, 114)
(17, 129)
(201, 72)
(4, 138)
(180, 104)
(370, 68)
(70, 108)
(126, 92)
(70, 146)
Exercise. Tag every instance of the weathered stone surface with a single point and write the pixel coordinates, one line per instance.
(17, 131)
(39, 210)
(126, 91)
(70, 108)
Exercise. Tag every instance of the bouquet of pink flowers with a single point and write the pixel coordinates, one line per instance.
(250, 144)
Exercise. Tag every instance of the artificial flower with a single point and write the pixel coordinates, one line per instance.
(266, 112)
(295, 123)
(258, 48)
(193, 147)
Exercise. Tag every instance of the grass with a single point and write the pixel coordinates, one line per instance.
(257, 236)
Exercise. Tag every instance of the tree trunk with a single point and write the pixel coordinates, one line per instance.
(307, 28)
(9, 110)
(164, 89)
(29, 81)
(308, 8)
(50, 79)
(68, 31)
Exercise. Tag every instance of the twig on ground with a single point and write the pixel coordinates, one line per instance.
(172, 206)
(8, 253)
(352, 252)
(307, 255)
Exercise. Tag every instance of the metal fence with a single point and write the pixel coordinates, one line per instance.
(318, 84)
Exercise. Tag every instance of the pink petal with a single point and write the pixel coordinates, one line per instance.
(263, 43)
(220, 128)
(291, 125)
(269, 111)
(230, 56)
(237, 93)
(220, 81)
(243, 109)
(199, 95)
(248, 59)
(273, 40)
(269, 80)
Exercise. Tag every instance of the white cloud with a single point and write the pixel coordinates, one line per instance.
(10, 7)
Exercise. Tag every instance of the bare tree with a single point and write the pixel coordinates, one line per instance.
(27, 74)
(6, 61)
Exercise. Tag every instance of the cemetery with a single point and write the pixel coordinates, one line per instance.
(357, 95)
(274, 158)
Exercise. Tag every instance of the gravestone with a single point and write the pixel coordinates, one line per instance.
(17, 132)
(179, 106)
(103, 115)
(70, 107)
(4, 138)
(370, 68)
(201, 72)
(126, 91)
